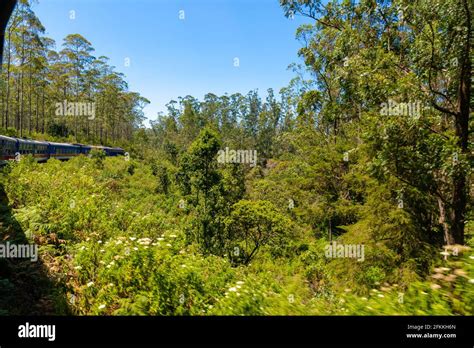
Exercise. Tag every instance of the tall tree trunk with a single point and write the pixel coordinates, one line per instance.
(459, 200)
(17, 118)
(448, 238)
(6, 10)
(37, 113)
(30, 93)
(7, 104)
(43, 115)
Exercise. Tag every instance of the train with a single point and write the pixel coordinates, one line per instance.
(13, 148)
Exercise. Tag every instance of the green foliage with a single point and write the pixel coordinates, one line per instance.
(127, 253)
(98, 156)
(252, 225)
(174, 232)
(161, 172)
(202, 181)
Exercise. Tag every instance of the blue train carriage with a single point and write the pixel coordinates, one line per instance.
(84, 149)
(95, 148)
(37, 149)
(63, 151)
(114, 151)
(8, 148)
(109, 151)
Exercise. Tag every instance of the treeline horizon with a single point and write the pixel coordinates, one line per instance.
(36, 77)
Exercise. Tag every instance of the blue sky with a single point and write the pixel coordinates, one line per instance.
(172, 57)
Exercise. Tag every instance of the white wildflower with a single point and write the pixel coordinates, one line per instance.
(144, 241)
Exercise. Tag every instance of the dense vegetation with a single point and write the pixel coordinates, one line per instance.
(373, 149)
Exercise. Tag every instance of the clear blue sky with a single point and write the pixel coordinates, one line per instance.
(171, 57)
